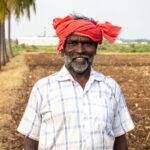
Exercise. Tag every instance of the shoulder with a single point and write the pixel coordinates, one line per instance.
(104, 78)
(108, 82)
(45, 82)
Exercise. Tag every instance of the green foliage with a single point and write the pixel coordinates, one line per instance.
(17, 49)
(2, 10)
(124, 48)
(23, 46)
(104, 48)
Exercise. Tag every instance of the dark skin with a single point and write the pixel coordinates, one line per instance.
(77, 45)
(120, 143)
(30, 144)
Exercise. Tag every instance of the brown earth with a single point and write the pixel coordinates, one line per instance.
(131, 72)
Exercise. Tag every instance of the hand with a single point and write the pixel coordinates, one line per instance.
(30, 144)
(120, 143)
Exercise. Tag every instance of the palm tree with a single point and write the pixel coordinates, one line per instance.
(0, 46)
(7, 7)
(23, 7)
(19, 7)
(3, 54)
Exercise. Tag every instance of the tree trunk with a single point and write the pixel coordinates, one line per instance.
(9, 49)
(4, 57)
(0, 45)
(4, 41)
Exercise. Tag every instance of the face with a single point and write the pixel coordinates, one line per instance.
(79, 53)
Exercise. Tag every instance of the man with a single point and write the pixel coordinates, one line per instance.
(77, 107)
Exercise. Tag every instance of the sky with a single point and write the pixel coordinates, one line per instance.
(132, 15)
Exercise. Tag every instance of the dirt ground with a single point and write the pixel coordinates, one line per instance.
(131, 72)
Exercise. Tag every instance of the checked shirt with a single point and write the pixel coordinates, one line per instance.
(63, 116)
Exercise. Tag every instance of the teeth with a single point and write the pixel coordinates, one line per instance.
(80, 59)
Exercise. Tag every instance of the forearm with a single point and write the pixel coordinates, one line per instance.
(30, 144)
(120, 143)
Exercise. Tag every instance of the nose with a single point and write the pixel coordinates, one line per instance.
(80, 48)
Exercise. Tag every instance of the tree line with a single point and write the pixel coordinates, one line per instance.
(18, 8)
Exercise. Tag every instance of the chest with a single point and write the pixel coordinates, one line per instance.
(71, 106)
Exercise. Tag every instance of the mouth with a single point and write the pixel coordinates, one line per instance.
(78, 63)
(80, 59)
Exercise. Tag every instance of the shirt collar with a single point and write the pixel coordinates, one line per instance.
(96, 75)
(64, 75)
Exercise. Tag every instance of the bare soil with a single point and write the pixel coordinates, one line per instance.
(131, 72)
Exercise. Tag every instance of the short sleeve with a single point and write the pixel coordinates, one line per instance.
(31, 120)
(123, 121)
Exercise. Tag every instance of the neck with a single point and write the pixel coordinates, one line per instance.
(81, 78)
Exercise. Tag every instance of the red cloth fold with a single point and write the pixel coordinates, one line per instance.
(93, 30)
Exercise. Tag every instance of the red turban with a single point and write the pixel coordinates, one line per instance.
(93, 30)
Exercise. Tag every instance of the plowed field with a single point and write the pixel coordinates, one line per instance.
(131, 72)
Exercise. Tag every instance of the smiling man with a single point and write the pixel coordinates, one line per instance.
(77, 108)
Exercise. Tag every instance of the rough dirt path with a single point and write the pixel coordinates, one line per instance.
(132, 73)
(11, 79)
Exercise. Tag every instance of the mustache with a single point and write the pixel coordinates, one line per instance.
(71, 58)
(80, 56)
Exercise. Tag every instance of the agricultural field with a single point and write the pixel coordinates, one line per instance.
(132, 72)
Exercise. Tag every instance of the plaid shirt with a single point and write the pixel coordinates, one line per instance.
(63, 116)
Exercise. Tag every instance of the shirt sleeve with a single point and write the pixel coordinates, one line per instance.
(31, 120)
(122, 121)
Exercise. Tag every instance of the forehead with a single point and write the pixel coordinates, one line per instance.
(74, 37)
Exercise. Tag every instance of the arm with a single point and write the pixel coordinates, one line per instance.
(122, 120)
(31, 121)
(120, 143)
(30, 144)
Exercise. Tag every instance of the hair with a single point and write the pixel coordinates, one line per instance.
(81, 17)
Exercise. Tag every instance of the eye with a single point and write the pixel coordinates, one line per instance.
(71, 43)
(88, 43)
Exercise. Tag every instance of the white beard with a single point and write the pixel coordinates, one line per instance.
(78, 67)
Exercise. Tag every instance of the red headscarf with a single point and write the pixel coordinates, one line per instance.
(93, 30)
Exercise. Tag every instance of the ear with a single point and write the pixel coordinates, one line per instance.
(62, 52)
(96, 45)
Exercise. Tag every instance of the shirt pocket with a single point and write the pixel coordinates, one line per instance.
(47, 116)
(53, 118)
